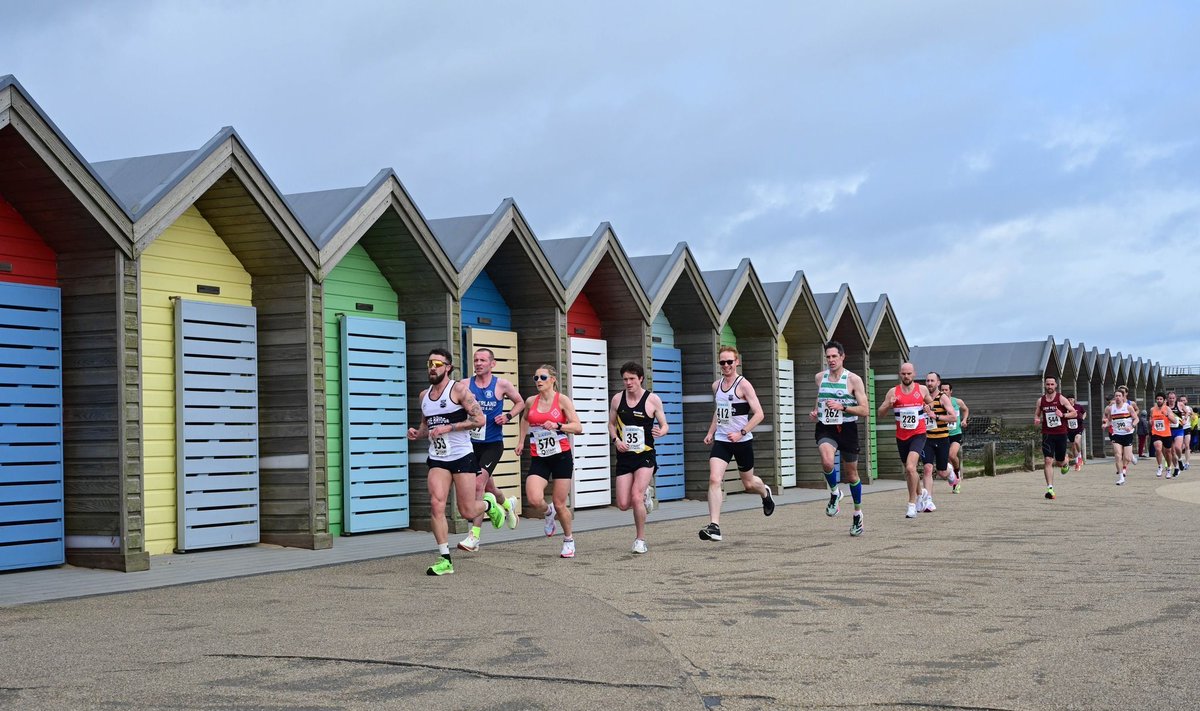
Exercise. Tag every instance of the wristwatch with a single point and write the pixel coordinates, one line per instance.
(743, 432)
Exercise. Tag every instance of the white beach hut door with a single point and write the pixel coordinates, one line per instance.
(589, 392)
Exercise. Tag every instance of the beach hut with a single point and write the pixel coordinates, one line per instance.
(608, 324)
(388, 291)
(844, 323)
(509, 299)
(231, 352)
(684, 337)
(887, 350)
(70, 441)
(801, 337)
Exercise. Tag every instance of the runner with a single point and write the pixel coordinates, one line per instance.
(909, 401)
(737, 413)
(1185, 444)
(635, 419)
(1122, 419)
(1137, 410)
(1195, 430)
(490, 392)
(448, 412)
(841, 400)
(547, 419)
(962, 412)
(1178, 409)
(1161, 441)
(1051, 415)
(1075, 427)
(937, 442)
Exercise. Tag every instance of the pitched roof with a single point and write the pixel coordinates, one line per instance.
(834, 306)
(569, 254)
(727, 287)
(659, 273)
(576, 259)
(151, 188)
(322, 211)
(460, 237)
(984, 360)
(21, 114)
(877, 313)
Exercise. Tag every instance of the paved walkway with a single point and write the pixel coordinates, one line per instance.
(1000, 600)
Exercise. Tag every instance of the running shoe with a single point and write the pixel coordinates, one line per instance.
(951, 478)
(929, 506)
(510, 512)
(639, 546)
(1135, 459)
(495, 512)
(551, 525)
(469, 544)
(648, 502)
(442, 567)
(911, 512)
(1078, 462)
(1175, 472)
(835, 496)
(1064, 469)
(856, 524)
(1050, 492)
(1120, 478)
(711, 532)
(1187, 465)
(568, 549)
(957, 489)
(768, 502)
(1158, 473)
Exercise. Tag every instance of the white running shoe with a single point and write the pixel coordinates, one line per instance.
(929, 507)
(648, 502)
(1135, 459)
(952, 477)
(911, 512)
(568, 550)
(1120, 478)
(470, 543)
(551, 526)
(639, 546)
(1158, 473)
(510, 511)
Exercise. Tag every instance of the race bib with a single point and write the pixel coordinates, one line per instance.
(1160, 427)
(1072, 424)
(931, 421)
(724, 414)
(634, 438)
(478, 433)
(1123, 426)
(545, 443)
(1053, 419)
(830, 416)
(438, 447)
(909, 419)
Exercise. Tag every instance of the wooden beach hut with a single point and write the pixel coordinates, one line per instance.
(801, 337)
(509, 299)
(70, 441)
(231, 352)
(608, 324)
(844, 323)
(389, 293)
(684, 332)
(887, 350)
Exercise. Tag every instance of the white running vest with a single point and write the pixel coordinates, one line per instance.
(444, 411)
(733, 412)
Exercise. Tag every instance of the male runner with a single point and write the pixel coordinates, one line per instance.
(1162, 419)
(490, 392)
(635, 419)
(1075, 427)
(1051, 415)
(963, 413)
(1122, 419)
(841, 400)
(910, 401)
(736, 415)
(937, 442)
(448, 412)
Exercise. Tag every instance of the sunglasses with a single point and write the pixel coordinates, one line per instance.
(725, 362)
(537, 378)
(435, 363)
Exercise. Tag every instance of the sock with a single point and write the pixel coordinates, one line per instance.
(475, 531)
(858, 509)
(569, 540)
(831, 479)
(444, 549)
(856, 494)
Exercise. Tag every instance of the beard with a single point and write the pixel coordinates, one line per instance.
(435, 379)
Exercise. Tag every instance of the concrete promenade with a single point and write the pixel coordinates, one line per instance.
(999, 600)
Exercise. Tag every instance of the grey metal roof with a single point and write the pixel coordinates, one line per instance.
(458, 234)
(568, 255)
(718, 282)
(136, 181)
(777, 293)
(872, 314)
(983, 360)
(825, 303)
(651, 270)
(319, 211)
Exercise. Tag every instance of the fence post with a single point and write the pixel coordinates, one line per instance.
(989, 459)
(1029, 447)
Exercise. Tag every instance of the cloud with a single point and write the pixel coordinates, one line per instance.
(798, 199)
(1144, 154)
(1080, 143)
(977, 161)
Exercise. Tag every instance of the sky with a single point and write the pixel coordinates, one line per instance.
(1003, 171)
